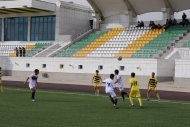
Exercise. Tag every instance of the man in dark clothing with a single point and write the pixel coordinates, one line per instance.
(16, 51)
(23, 51)
(20, 51)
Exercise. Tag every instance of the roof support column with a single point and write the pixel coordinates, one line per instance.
(29, 28)
(129, 20)
(2, 29)
(58, 21)
(166, 14)
(98, 21)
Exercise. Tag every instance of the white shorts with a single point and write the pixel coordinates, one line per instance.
(32, 86)
(111, 93)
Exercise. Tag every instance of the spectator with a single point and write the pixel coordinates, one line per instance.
(170, 22)
(16, 51)
(23, 51)
(142, 24)
(174, 22)
(138, 24)
(159, 26)
(167, 25)
(184, 16)
(20, 51)
(185, 21)
(153, 25)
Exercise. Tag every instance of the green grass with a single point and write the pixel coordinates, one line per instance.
(60, 109)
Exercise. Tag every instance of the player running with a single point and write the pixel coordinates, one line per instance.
(152, 85)
(135, 91)
(109, 89)
(33, 82)
(1, 84)
(96, 80)
(119, 81)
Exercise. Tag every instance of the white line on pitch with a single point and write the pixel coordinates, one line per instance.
(91, 95)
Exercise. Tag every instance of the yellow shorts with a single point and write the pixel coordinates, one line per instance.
(135, 92)
(152, 88)
(96, 84)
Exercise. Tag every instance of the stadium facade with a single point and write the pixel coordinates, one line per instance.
(35, 20)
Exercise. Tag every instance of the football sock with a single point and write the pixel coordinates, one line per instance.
(112, 100)
(157, 95)
(97, 91)
(147, 95)
(116, 101)
(33, 95)
(123, 95)
(140, 101)
(1, 88)
(131, 100)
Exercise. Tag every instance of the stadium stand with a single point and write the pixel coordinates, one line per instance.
(161, 42)
(129, 42)
(187, 44)
(8, 49)
(79, 45)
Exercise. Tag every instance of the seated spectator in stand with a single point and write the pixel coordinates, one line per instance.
(153, 25)
(170, 22)
(159, 26)
(167, 25)
(140, 24)
(174, 22)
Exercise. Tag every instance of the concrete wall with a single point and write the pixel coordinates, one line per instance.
(182, 68)
(165, 70)
(70, 73)
(182, 72)
(139, 66)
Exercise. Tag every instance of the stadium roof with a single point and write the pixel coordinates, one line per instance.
(25, 6)
(108, 8)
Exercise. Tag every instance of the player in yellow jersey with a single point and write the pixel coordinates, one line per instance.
(1, 84)
(134, 91)
(97, 80)
(152, 85)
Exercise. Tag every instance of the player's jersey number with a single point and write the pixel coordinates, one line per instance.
(109, 84)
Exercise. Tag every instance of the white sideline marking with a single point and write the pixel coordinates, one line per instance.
(91, 95)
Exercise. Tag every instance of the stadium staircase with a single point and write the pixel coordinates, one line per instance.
(8, 48)
(181, 43)
(48, 51)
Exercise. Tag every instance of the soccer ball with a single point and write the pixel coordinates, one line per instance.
(119, 58)
(45, 75)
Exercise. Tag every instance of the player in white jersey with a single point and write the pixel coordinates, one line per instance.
(109, 89)
(33, 82)
(119, 81)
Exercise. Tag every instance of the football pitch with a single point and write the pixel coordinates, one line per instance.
(65, 109)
